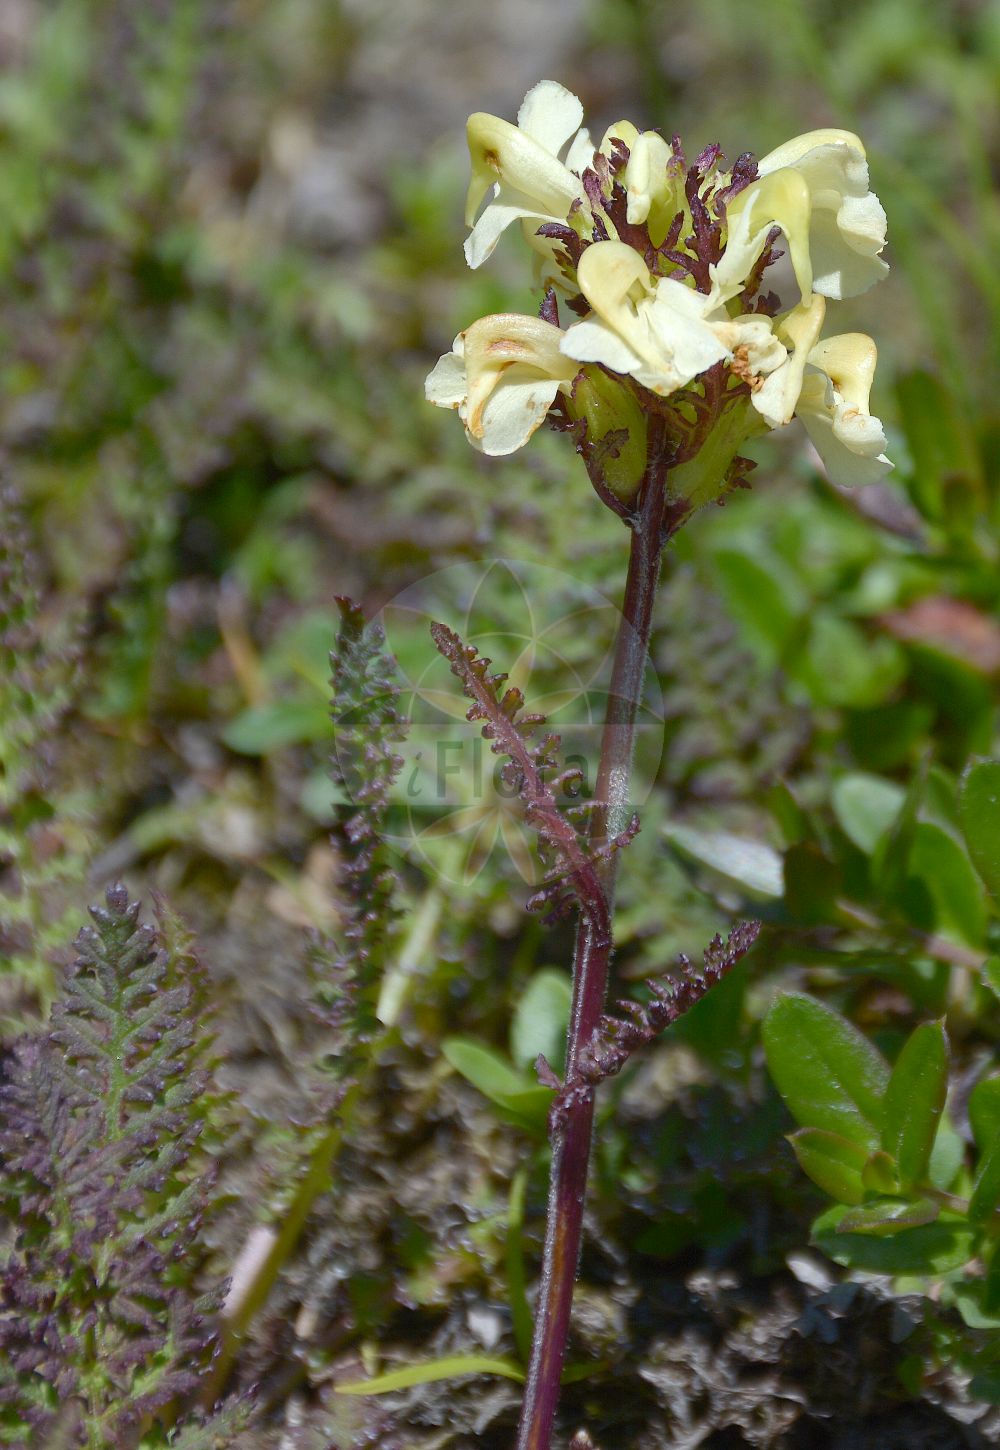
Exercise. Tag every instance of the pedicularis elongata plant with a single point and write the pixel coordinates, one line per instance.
(658, 348)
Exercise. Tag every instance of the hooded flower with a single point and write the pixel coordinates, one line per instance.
(833, 406)
(520, 165)
(654, 195)
(502, 376)
(815, 188)
(659, 330)
(775, 396)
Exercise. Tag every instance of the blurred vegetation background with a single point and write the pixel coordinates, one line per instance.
(230, 251)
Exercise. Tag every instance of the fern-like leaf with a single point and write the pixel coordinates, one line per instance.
(101, 1325)
(368, 723)
(534, 771)
(635, 1025)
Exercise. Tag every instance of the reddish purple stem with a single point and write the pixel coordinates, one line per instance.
(571, 1129)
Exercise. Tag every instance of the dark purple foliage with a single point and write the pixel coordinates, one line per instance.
(534, 771)
(100, 1119)
(636, 1025)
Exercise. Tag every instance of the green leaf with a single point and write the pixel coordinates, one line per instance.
(984, 1111)
(513, 1091)
(451, 1367)
(764, 597)
(540, 1018)
(834, 1164)
(991, 975)
(880, 1174)
(914, 1101)
(986, 1189)
(751, 865)
(947, 1155)
(940, 863)
(938, 438)
(933, 1248)
(979, 810)
(517, 1292)
(865, 807)
(264, 728)
(841, 666)
(828, 1073)
(990, 1291)
(888, 1216)
(891, 857)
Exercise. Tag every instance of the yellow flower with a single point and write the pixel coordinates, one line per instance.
(654, 195)
(833, 406)
(815, 188)
(659, 330)
(827, 384)
(502, 376)
(519, 167)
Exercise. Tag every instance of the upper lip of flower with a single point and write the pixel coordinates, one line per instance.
(522, 166)
(815, 188)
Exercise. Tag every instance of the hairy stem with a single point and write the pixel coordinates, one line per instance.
(572, 1126)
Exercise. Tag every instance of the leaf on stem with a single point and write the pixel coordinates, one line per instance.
(617, 1037)
(535, 772)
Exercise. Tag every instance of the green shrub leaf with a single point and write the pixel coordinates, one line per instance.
(914, 1101)
(986, 1190)
(979, 809)
(540, 1018)
(888, 1216)
(984, 1112)
(497, 1080)
(828, 1073)
(932, 1248)
(880, 1174)
(866, 806)
(834, 1163)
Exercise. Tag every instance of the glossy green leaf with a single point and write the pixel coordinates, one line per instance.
(450, 1367)
(828, 1073)
(834, 1164)
(540, 1018)
(752, 865)
(986, 1189)
(984, 1111)
(933, 1248)
(914, 1101)
(941, 864)
(979, 808)
(865, 807)
(880, 1174)
(889, 1216)
(497, 1080)
(947, 1155)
